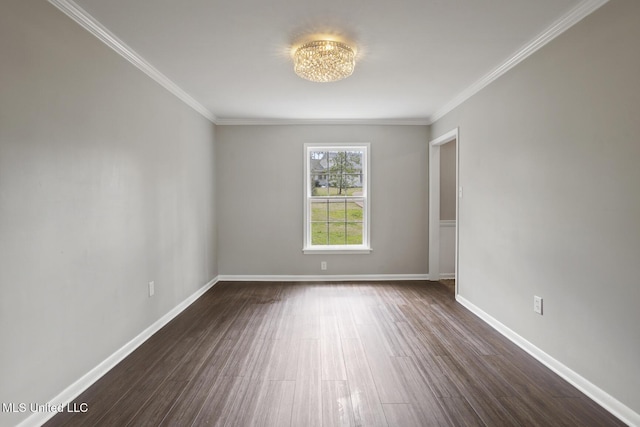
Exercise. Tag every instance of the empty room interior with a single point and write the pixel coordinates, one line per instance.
(411, 213)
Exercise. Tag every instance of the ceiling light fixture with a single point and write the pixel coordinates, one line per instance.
(324, 61)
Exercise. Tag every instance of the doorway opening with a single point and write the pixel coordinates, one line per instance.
(444, 192)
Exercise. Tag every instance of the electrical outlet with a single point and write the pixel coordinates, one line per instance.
(537, 304)
(152, 288)
(323, 265)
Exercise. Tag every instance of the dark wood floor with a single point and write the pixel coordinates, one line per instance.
(301, 354)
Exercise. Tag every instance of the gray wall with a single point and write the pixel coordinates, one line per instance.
(106, 183)
(549, 164)
(448, 192)
(260, 176)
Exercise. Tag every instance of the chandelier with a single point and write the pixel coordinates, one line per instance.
(324, 61)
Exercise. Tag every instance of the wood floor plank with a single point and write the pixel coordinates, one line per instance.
(384, 371)
(156, 408)
(534, 396)
(460, 412)
(347, 325)
(306, 326)
(461, 332)
(479, 373)
(134, 397)
(491, 410)
(187, 406)
(402, 415)
(337, 410)
(245, 355)
(583, 412)
(367, 408)
(244, 409)
(218, 405)
(307, 403)
(331, 354)
(536, 371)
(420, 395)
(285, 327)
(283, 360)
(276, 408)
(390, 337)
(426, 364)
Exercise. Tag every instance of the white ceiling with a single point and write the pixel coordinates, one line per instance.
(416, 58)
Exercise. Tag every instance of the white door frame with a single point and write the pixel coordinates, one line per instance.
(434, 202)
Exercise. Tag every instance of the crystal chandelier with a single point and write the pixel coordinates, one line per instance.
(324, 61)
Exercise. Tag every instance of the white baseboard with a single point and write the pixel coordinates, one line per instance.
(321, 278)
(604, 399)
(441, 276)
(75, 389)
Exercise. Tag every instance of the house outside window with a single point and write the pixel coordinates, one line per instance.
(336, 210)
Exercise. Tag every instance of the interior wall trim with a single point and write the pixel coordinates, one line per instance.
(89, 23)
(79, 15)
(435, 224)
(604, 399)
(321, 278)
(334, 122)
(92, 25)
(567, 21)
(74, 390)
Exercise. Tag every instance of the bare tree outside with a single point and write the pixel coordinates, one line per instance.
(344, 169)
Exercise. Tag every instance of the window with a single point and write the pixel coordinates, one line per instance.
(336, 198)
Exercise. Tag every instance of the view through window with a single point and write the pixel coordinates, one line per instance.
(337, 197)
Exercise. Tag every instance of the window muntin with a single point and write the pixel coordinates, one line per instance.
(336, 197)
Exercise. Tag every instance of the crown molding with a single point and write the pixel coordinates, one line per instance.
(79, 15)
(571, 18)
(271, 122)
(89, 23)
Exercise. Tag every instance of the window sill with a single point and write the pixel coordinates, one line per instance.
(337, 250)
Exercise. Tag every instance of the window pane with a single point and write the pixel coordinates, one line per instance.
(337, 210)
(355, 159)
(334, 160)
(339, 185)
(354, 210)
(319, 235)
(345, 161)
(337, 203)
(318, 161)
(354, 233)
(353, 183)
(319, 185)
(319, 210)
(333, 184)
(318, 180)
(337, 233)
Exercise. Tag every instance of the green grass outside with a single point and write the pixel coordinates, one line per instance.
(336, 223)
(333, 191)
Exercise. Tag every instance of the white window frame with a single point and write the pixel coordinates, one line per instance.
(365, 247)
